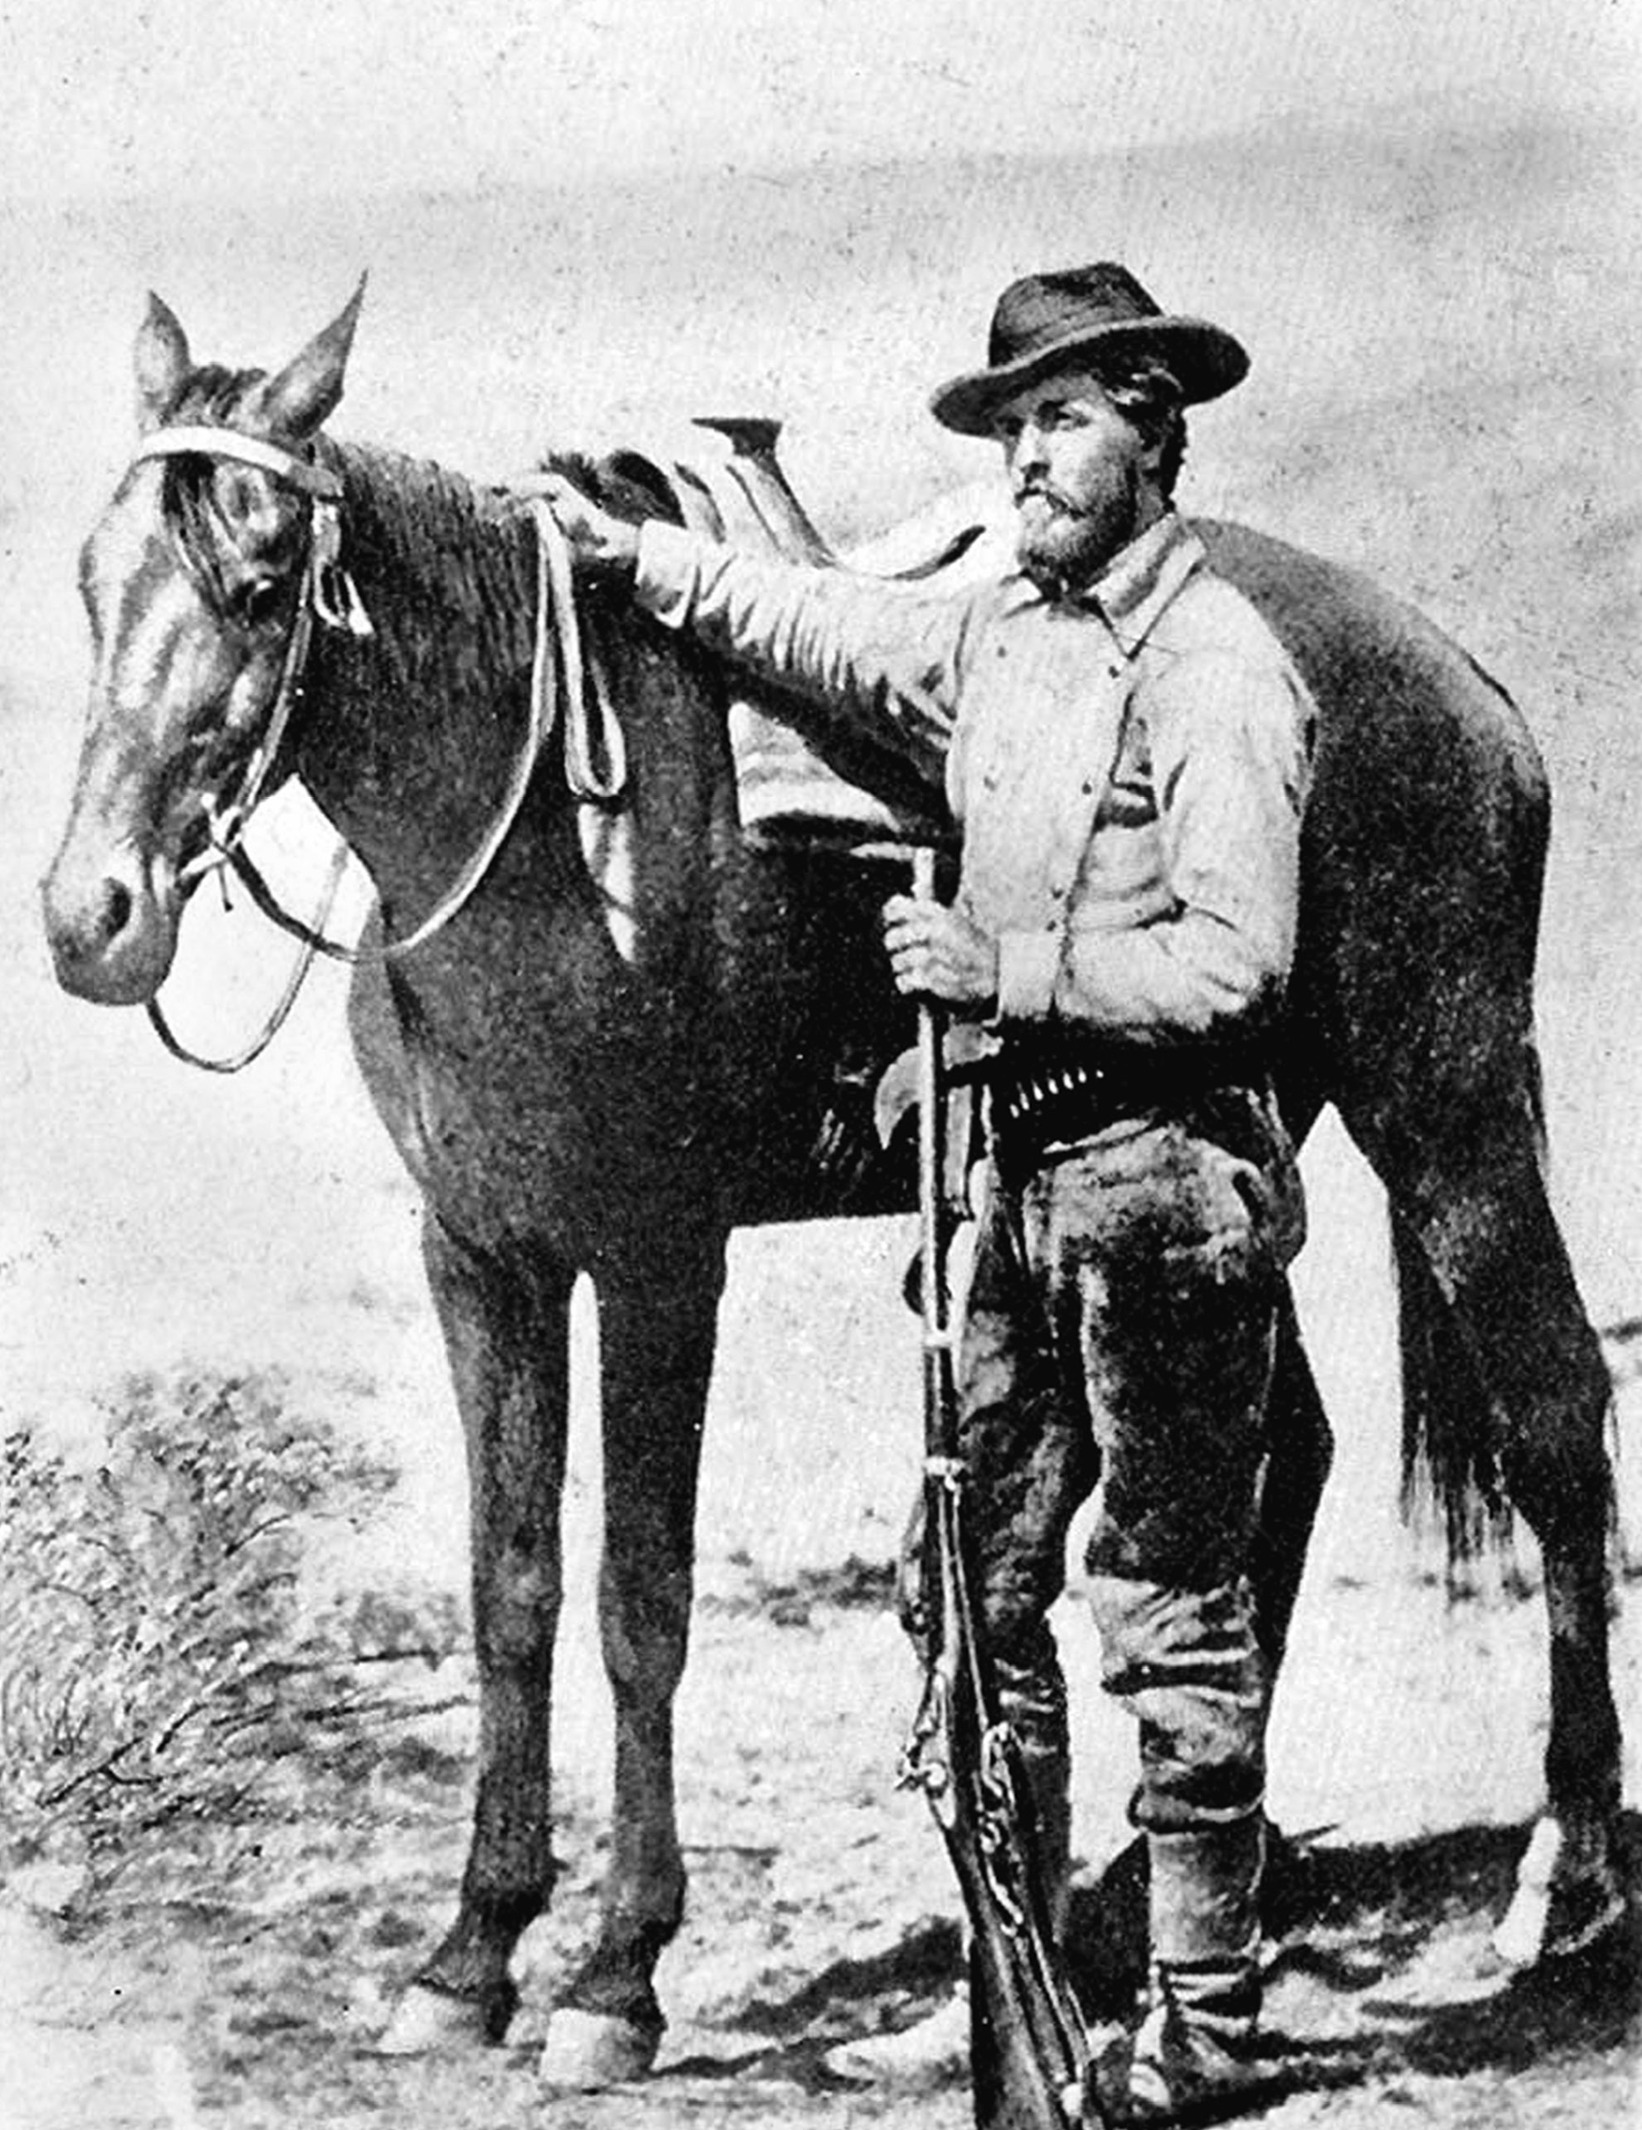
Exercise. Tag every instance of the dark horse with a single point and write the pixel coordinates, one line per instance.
(566, 1106)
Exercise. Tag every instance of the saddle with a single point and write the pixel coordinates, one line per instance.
(795, 785)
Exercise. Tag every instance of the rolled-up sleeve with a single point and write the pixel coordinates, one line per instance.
(885, 658)
(1231, 742)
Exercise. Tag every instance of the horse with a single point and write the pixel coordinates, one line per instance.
(569, 1100)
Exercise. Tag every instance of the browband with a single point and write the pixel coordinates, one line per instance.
(203, 440)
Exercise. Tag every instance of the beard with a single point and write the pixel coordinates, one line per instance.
(1060, 544)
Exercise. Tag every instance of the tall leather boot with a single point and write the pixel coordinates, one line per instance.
(1193, 2057)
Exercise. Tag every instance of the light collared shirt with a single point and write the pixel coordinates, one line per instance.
(1128, 764)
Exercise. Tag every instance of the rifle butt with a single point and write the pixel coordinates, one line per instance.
(1025, 2075)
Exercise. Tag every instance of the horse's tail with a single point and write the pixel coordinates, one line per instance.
(1450, 1461)
(1450, 1464)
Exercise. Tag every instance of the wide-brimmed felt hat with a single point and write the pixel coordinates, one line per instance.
(1046, 321)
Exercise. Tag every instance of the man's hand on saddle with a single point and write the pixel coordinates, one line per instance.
(936, 953)
(596, 539)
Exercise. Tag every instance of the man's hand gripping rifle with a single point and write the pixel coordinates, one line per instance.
(1029, 2050)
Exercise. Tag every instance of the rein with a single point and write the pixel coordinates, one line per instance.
(595, 758)
(595, 751)
(237, 1060)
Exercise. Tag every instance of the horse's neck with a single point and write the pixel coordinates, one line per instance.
(407, 733)
(410, 737)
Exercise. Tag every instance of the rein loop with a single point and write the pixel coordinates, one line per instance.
(595, 749)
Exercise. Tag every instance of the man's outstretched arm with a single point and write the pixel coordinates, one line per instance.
(882, 658)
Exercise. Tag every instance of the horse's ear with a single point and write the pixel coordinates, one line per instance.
(307, 390)
(163, 363)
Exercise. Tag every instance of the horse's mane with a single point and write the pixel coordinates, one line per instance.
(453, 544)
(455, 547)
(473, 538)
(625, 483)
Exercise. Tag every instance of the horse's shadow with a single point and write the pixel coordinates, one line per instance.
(1392, 1941)
(1379, 1964)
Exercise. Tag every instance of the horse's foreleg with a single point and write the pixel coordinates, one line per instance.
(656, 1343)
(506, 1334)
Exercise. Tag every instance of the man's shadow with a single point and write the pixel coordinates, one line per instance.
(1379, 1962)
(1380, 1952)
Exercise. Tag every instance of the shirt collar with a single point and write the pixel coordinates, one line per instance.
(1142, 578)
(1131, 592)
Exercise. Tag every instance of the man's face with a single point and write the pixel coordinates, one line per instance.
(1082, 475)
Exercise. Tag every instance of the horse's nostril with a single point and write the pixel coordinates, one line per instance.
(111, 940)
(116, 909)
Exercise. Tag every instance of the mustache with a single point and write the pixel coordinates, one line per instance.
(1045, 491)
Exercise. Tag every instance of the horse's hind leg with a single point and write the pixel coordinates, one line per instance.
(506, 1330)
(1302, 1451)
(1476, 1200)
(1301, 1443)
(656, 1335)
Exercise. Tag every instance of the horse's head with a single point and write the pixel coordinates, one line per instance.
(198, 581)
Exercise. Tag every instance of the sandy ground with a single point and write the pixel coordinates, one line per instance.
(152, 1216)
(1404, 1757)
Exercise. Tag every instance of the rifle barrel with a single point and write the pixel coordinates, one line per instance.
(931, 1144)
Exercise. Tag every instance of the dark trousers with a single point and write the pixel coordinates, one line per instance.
(1120, 1327)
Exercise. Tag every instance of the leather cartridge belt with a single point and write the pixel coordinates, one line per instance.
(1053, 1094)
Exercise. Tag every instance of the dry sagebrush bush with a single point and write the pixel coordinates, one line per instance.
(158, 1651)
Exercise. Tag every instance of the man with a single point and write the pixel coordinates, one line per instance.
(1125, 747)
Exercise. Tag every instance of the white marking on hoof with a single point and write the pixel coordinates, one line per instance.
(1569, 1896)
(431, 2022)
(921, 2058)
(587, 2051)
(1519, 1938)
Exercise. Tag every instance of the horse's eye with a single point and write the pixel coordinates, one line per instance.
(254, 601)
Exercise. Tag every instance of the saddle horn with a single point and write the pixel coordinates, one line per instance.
(758, 473)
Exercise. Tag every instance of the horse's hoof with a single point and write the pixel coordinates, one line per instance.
(430, 2022)
(922, 2058)
(586, 2051)
(1564, 1902)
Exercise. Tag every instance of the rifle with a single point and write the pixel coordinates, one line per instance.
(1029, 2049)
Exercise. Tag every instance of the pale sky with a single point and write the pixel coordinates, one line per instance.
(239, 96)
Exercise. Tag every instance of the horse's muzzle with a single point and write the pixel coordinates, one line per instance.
(111, 927)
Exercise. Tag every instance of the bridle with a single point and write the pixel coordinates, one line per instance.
(595, 753)
(326, 593)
